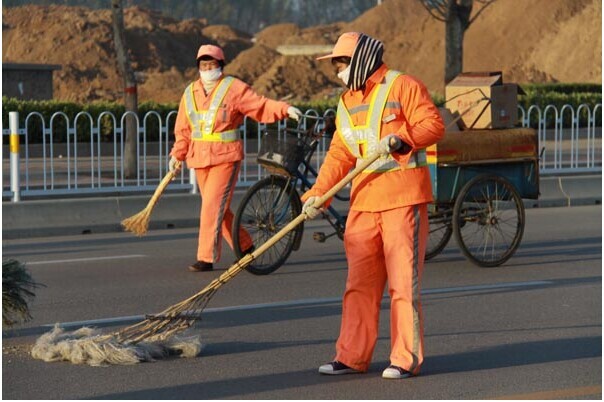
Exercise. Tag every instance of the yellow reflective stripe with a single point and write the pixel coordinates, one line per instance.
(190, 107)
(223, 136)
(369, 113)
(217, 98)
(363, 139)
(203, 122)
(340, 129)
(14, 143)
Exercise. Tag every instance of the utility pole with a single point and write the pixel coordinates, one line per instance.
(130, 92)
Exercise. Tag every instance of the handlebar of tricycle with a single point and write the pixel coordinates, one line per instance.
(328, 125)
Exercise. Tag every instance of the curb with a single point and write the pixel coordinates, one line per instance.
(77, 216)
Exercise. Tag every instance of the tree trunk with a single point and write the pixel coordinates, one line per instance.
(458, 20)
(130, 92)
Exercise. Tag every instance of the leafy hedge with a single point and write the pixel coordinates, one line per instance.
(71, 110)
(536, 94)
(563, 88)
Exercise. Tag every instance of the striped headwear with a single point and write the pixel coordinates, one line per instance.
(367, 58)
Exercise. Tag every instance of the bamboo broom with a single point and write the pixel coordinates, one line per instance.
(157, 335)
(139, 223)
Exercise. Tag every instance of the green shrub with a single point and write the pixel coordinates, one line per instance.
(17, 288)
(563, 88)
(48, 108)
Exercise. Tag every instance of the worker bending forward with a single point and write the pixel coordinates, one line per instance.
(207, 136)
(391, 113)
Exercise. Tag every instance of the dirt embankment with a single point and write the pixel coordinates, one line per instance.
(536, 41)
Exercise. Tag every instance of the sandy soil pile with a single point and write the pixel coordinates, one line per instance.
(536, 41)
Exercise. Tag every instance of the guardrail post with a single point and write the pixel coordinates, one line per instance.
(193, 181)
(13, 123)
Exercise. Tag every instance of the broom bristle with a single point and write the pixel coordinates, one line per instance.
(137, 223)
(88, 346)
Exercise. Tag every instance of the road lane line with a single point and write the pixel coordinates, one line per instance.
(293, 303)
(558, 394)
(114, 257)
(487, 287)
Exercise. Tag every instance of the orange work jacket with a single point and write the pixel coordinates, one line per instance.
(239, 101)
(409, 113)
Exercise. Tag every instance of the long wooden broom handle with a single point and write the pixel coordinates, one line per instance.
(318, 203)
(248, 258)
(161, 187)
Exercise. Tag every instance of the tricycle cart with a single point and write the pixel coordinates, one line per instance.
(479, 178)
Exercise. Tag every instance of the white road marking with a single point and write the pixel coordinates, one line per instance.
(114, 257)
(303, 302)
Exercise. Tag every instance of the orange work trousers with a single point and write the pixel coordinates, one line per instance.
(384, 246)
(216, 186)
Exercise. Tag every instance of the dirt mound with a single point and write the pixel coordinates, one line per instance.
(81, 40)
(274, 35)
(252, 63)
(294, 77)
(319, 35)
(573, 50)
(536, 41)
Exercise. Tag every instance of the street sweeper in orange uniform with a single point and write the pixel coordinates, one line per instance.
(391, 113)
(207, 136)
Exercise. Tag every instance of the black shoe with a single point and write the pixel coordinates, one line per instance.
(249, 250)
(200, 266)
(395, 372)
(336, 368)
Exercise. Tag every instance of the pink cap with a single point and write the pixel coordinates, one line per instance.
(210, 50)
(344, 46)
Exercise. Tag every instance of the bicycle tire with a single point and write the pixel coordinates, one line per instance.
(440, 230)
(267, 207)
(488, 220)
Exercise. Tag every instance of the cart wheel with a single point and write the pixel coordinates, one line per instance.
(488, 220)
(439, 217)
(266, 208)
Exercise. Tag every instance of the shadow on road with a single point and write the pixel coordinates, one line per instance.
(512, 355)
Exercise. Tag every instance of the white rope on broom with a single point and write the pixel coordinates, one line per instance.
(88, 346)
(156, 336)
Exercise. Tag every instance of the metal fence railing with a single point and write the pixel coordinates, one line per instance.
(85, 156)
(570, 141)
(68, 162)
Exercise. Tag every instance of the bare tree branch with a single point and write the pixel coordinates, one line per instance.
(432, 5)
(485, 3)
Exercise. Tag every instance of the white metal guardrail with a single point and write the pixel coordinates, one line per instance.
(568, 146)
(87, 163)
(95, 164)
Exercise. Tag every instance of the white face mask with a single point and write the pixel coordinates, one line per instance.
(210, 76)
(344, 75)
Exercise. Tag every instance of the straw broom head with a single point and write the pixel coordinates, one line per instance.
(139, 223)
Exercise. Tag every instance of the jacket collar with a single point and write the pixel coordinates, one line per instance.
(376, 78)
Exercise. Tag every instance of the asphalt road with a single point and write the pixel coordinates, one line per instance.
(529, 329)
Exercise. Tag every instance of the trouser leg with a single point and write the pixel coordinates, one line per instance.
(405, 232)
(216, 185)
(364, 290)
(245, 240)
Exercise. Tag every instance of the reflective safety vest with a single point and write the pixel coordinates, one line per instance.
(363, 140)
(203, 121)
